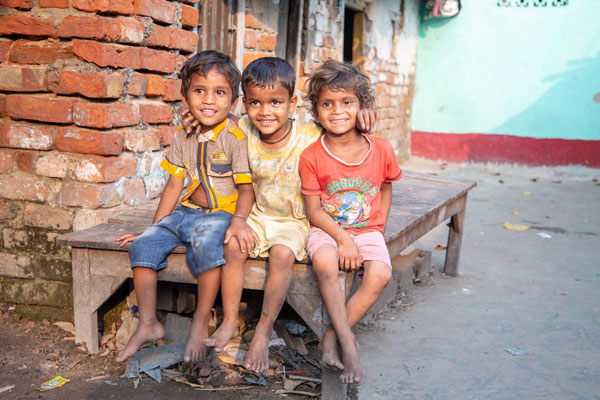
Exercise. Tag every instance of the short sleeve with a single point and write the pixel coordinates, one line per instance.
(392, 168)
(173, 162)
(239, 158)
(308, 173)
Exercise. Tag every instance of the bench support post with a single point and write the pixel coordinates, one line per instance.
(456, 225)
(85, 319)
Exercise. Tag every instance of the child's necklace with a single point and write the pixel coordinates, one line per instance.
(280, 140)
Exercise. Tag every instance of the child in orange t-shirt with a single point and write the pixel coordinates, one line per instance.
(347, 186)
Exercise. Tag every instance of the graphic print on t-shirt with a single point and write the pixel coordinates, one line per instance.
(350, 201)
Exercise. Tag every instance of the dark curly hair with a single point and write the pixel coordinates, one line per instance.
(203, 62)
(336, 75)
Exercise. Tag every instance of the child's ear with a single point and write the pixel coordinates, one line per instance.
(234, 102)
(293, 103)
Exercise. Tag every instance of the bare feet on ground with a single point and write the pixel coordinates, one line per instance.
(144, 333)
(195, 348)
(352, 369)
(257, 358)
(328, 347)
(222, 336)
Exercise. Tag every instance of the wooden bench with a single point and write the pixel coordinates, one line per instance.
(100, 266)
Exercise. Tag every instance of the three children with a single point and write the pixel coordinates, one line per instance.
(343, 171)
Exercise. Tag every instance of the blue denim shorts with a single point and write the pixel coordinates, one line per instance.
(200, 232)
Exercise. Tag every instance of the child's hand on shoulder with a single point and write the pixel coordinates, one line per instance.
(349, 254)
(190, 123)
(245, 235)
(366, 120)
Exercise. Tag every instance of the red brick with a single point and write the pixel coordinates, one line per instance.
(172, 90)
(142, 140)
(75, 194)
(102, 115)
(124, 7)
(53, 3)
(156, 85)
(251, 56)
(40, 52)
(161, 36)
(6, 161)
(4, 49)
(89, 85)
(22, 4)
(250, 39)
(267, 42)
(107, 55)
(252, 23)
(191, 1)
(26, 161)
(157, 60)
(18, 24)
(134, 192)
(52, 165)
(75, 140)
(156, 113)
(90, 27)
(2, 105)
(26, 136)
(106, 169)
(189, 16)
(166, 133)
(132, 30)
(184, 40)
(47, 109)
(139, 85)
(159, 10)
(181, 59)
(23, 188)
(14, 78)
(42, 216)
(86, 218)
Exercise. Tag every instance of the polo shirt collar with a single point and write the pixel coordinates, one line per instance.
(213, 133)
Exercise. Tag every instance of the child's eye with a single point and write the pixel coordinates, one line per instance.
(276, 102)
(199, 90)
(347, 102)
(326, 104)
(220, 92)
(254, 103)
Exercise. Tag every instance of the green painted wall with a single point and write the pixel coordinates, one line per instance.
(523, 71)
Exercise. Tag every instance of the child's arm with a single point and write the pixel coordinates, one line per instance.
(166, 205)
(350, 258)
(386, 200)
(191, 124)
(245, 235)
(367, 119)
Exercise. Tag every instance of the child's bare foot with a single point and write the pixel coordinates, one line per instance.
(222, 335)
(144, 333)
(352, 369)
(257, 358)
(195, 349)
(328, 347)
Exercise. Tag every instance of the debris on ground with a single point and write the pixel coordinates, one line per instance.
(516, 227)
(53, 383)
(152, 361)
(517, 351)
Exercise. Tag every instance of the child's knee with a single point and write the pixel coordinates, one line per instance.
(233, 251)
(379, 274)
(283, 256)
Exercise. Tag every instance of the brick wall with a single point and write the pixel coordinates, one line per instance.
(89, 97)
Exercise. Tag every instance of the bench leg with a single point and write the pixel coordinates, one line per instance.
(456, 226)
(85, 317)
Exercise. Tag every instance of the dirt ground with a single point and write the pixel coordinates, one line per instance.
(32, 353)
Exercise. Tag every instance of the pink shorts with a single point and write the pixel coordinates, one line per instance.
(371, 245)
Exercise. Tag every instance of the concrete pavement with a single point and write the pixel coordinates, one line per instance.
(534, 292)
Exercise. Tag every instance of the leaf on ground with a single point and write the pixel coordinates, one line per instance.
(440, 247)
(516, 227)
(516, 212)
(527, 193)
(66, 326)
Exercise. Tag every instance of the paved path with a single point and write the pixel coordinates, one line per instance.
(516, 290)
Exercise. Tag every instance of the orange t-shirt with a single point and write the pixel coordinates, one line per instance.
(350, 193)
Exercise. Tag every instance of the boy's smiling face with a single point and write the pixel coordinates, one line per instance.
(337, 111)
(268, 109)
(209, 98)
